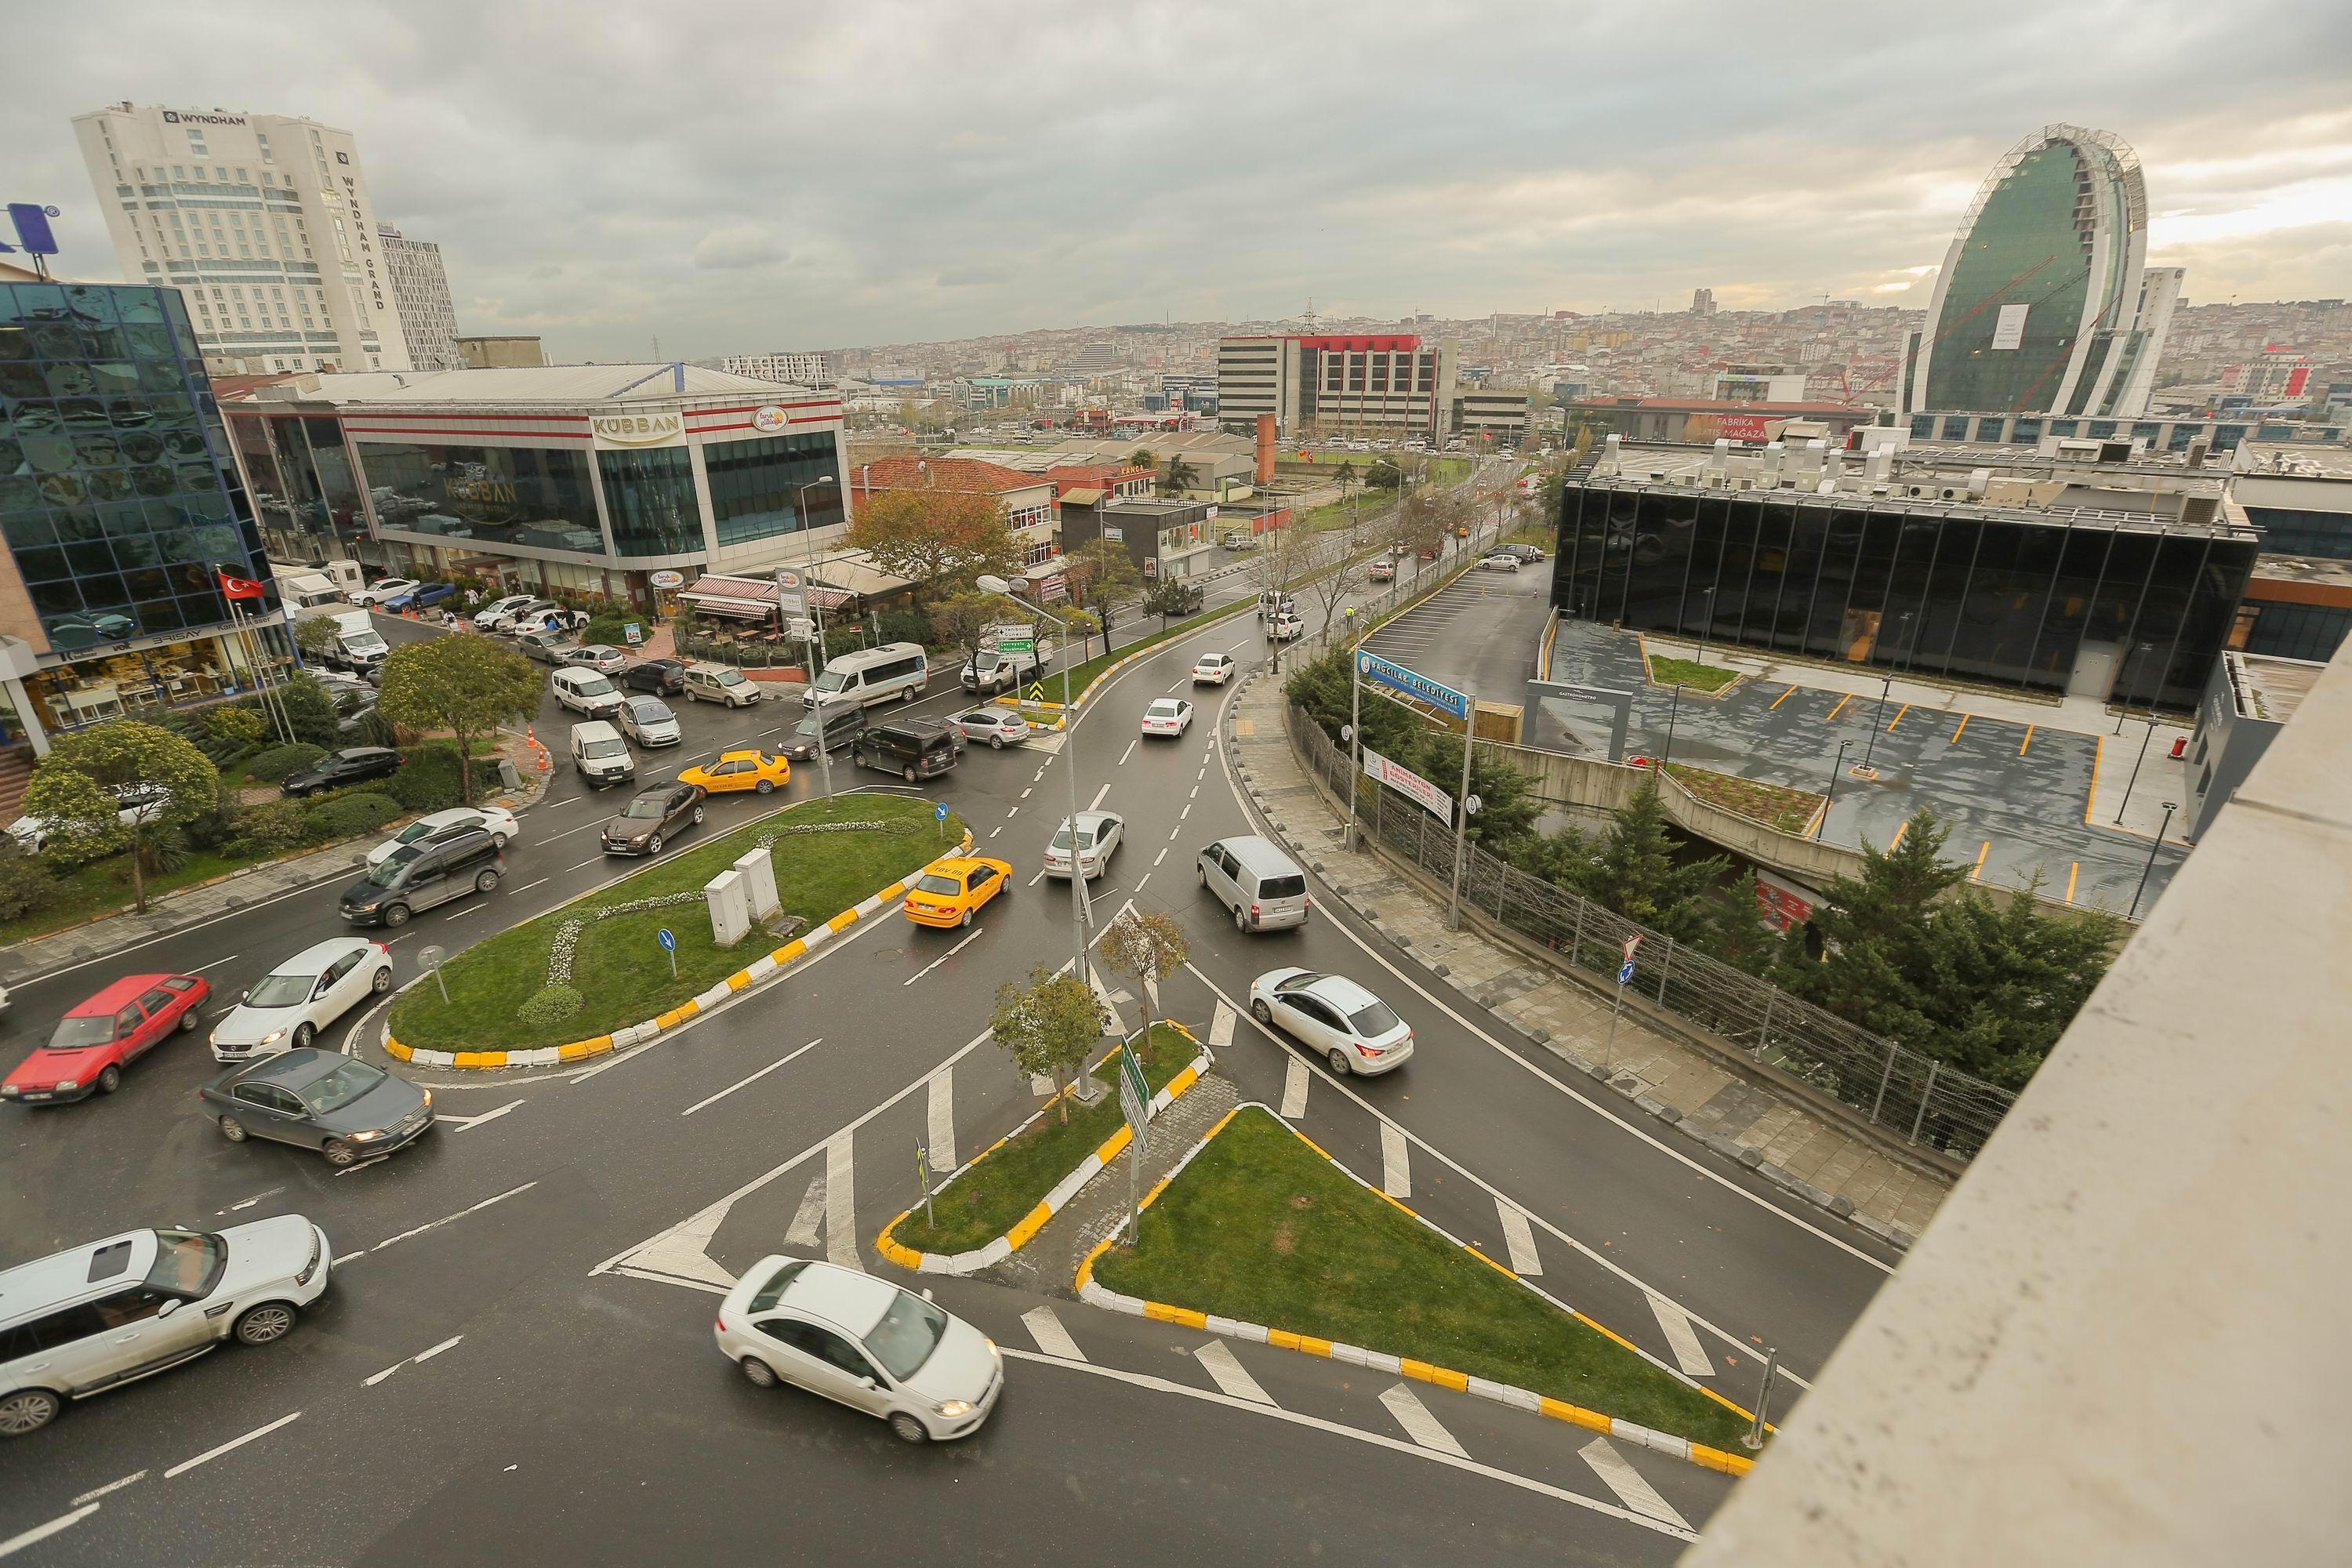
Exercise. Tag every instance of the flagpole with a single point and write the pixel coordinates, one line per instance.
(280, 720)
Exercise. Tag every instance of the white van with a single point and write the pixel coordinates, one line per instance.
(895, 670)
(600, 756)
(1263, 888)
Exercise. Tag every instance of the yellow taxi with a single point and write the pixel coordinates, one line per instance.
(740, 771)
(951, 891)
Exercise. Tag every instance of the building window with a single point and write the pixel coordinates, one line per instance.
(649, 495)
(499, 495)
(755, 486)
(1923, 426)
(1956, 426)
(2025, 432)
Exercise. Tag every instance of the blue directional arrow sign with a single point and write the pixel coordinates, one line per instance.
(1413, 684)
(669, 943)
(1625, 972)
(940, 812)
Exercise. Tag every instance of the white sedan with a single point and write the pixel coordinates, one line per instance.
(1499, 563)
(1100, 835)
(496, 820)
(287, 1007)
(1168, 716)
(139, 806)
(384, 588)
(1212, 669)
(1350, 1028)
(1000, 727)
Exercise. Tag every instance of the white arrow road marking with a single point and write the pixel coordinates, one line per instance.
(467, 1123)
(211, 1454)
(808, 1220)
(1221, 1028)
(841, 1201)
(1396, 1163)
(1419, 1423)
(41, 1533)
(1229, 1373)
(1294, 1090)
(941, 1148)
(683, 1252)
(1051, 1336)
(1623, 1479)
(1689, 1354)
(1521, 1239)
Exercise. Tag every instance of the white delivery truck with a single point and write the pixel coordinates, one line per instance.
(358, 646)
(993, 668)
(305, 587)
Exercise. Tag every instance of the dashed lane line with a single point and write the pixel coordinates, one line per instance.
(941, 958)
(785, 1060)
(41, 1533)
(1128, 753)
(1096, 803)
(211, 1454)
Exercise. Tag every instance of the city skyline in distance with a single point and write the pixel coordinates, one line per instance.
(728, 184)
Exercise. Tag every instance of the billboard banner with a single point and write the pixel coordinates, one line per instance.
(2009, 327)
(1397, 777)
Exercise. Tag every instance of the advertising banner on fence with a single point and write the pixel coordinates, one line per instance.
(1434, 800)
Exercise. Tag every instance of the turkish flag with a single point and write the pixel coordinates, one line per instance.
(236, 587)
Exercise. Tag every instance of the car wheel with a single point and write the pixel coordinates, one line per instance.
(486, 882)
(27, 1411)
(767, 787)
(698, 817)
(906, 694)
(653, 844)
(1339, 1062)
(1261, 1013)
(303, 1034)
(380, 984)
(1241, 920)
(909, 1429)
(395, 915)
(967, 919)
(109, 1079)
(759, 1373)
(996, 742)
(189, 1020)
(265, 1324)
(339, 1154)
(1200, 873)
(232, 1130)
(908, 774)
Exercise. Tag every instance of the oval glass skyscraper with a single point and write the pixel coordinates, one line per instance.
(2044, 303)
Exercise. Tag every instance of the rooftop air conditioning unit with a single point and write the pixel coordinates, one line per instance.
(1916, 492)
(1951, 492)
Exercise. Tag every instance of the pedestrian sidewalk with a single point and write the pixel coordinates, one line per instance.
(29, 960)
(1742, 1115)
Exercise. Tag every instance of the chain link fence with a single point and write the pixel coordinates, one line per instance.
(1915, 1097)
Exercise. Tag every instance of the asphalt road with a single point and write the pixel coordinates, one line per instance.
(513, 1360)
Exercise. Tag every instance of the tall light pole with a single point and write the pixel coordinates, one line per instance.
(1883, 690)
(1705, 621)
(1831, 799)
(989, 583)
(2170, 807)
(814, 641)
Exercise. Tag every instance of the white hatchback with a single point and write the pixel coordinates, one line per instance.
(1168, 716)
(1347, 1025)
(285, 1008)
(496, 820)
(863, 1342)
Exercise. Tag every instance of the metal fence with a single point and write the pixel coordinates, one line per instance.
(1918, 1097)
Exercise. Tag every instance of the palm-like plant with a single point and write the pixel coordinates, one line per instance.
(1177, 476)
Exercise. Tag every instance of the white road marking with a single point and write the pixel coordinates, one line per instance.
(199, 969)
(1185, 812)
(1146, 878)
(1195, 795)
(998, 828)
(1051, 1336)
(467, 1123)
(1127, 753)
(1396, 1159)
(461, 1214)
(841, 1201)
(1419, 1423)
(422, 1356)
(1689, 1354)
(1038, 877)
(364, 1164)
(1009, 817)
(599, 858)
(787, 1058)
(1096, 803)
(248, 1202)
(527, 886)
(945, 956)
(1173, 833)
(940, 1124)
(1024, 794)
(1040, 1084)
(1221, 1025)
(41, 1533)
(1520, 1239)
(98, 1492)
(808, 1220)
(1229, 1373)
(1159, 857)
(1294, 1090)
(469, 910)
(211, 1454)
(1626, 1481)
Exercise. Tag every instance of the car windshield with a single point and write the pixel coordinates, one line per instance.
(808, 727)
(282, 991)
(831, 681)
(1373, 1021)
(645, 806)
(613, 747)
(187, 1262)
(74, 1033)
(340, 1087)
(593, 686)
(932, 882)
(397, 862)
(903, 1341)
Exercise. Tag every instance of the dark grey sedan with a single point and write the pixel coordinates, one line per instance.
(653, 817)
(346, 1109)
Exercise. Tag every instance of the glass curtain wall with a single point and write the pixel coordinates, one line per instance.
(502, 495)
(649, 495)
(755, 486)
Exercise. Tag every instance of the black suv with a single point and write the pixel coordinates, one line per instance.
(662, 677)
(914, 748)
(416, 877)
(354, 764)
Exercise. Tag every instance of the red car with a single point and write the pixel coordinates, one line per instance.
(94, 1041)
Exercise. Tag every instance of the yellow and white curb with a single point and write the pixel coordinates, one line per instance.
(1054, 1202)
(751, 974)
(1517, 1398)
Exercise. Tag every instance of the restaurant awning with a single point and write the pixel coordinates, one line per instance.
(742, 598)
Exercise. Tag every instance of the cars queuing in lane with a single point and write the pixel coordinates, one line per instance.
(1169, 716)
(495, 820)
(1100, 835)
(1000, 727)
(732, 772)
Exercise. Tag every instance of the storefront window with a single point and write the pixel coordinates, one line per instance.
(649, 495)
(500, 495)
(755, 486)
(153, 681)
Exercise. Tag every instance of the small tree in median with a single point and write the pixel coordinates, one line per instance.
(1149, 946)
(91, 776)
(1173, 599)
(465, 685)
(1048, 1026)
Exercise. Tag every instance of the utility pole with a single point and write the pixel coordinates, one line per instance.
(1355, 741)
(1831, 799)
(2170, 807)
(1868, 749)
(1467, 803)
(816, 640)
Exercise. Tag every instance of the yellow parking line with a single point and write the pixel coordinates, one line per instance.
(2073, 869)
(2027, 741)
(2098, 747)
(1898, 715)
(1899, 832)
(1964, 724)
(1979, 866)
(1840, 707)
(1778, 700)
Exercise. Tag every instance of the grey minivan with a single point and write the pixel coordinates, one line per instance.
(433, 871)
(1263, 888)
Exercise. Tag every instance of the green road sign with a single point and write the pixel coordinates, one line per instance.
(1134, 1099)
(1016, 645)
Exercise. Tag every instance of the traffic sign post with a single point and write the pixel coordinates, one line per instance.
(1135, 1100)
(669, 945)
(431, 957)
(939, 816)
(923, 1176)
(1625, 978)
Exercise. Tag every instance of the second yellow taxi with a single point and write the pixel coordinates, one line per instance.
(950, 892)
(740, 771)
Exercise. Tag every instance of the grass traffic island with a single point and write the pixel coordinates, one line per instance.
(1774, 805)
(618, 968)
(1260, 1227)
(1666, 671)
(1006, 1183)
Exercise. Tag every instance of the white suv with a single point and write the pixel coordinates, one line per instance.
(109, 1312)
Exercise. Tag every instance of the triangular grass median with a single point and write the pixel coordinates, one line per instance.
(1262, 1229)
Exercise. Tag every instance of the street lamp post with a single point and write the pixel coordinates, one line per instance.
(1705, 620)
(1872, 747)
(989, 583)
(2170, 807)
(814, 642)
(1831, 799)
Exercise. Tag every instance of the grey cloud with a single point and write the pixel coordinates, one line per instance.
(738, 245)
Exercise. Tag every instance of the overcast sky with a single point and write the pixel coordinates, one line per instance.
(737, 177)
